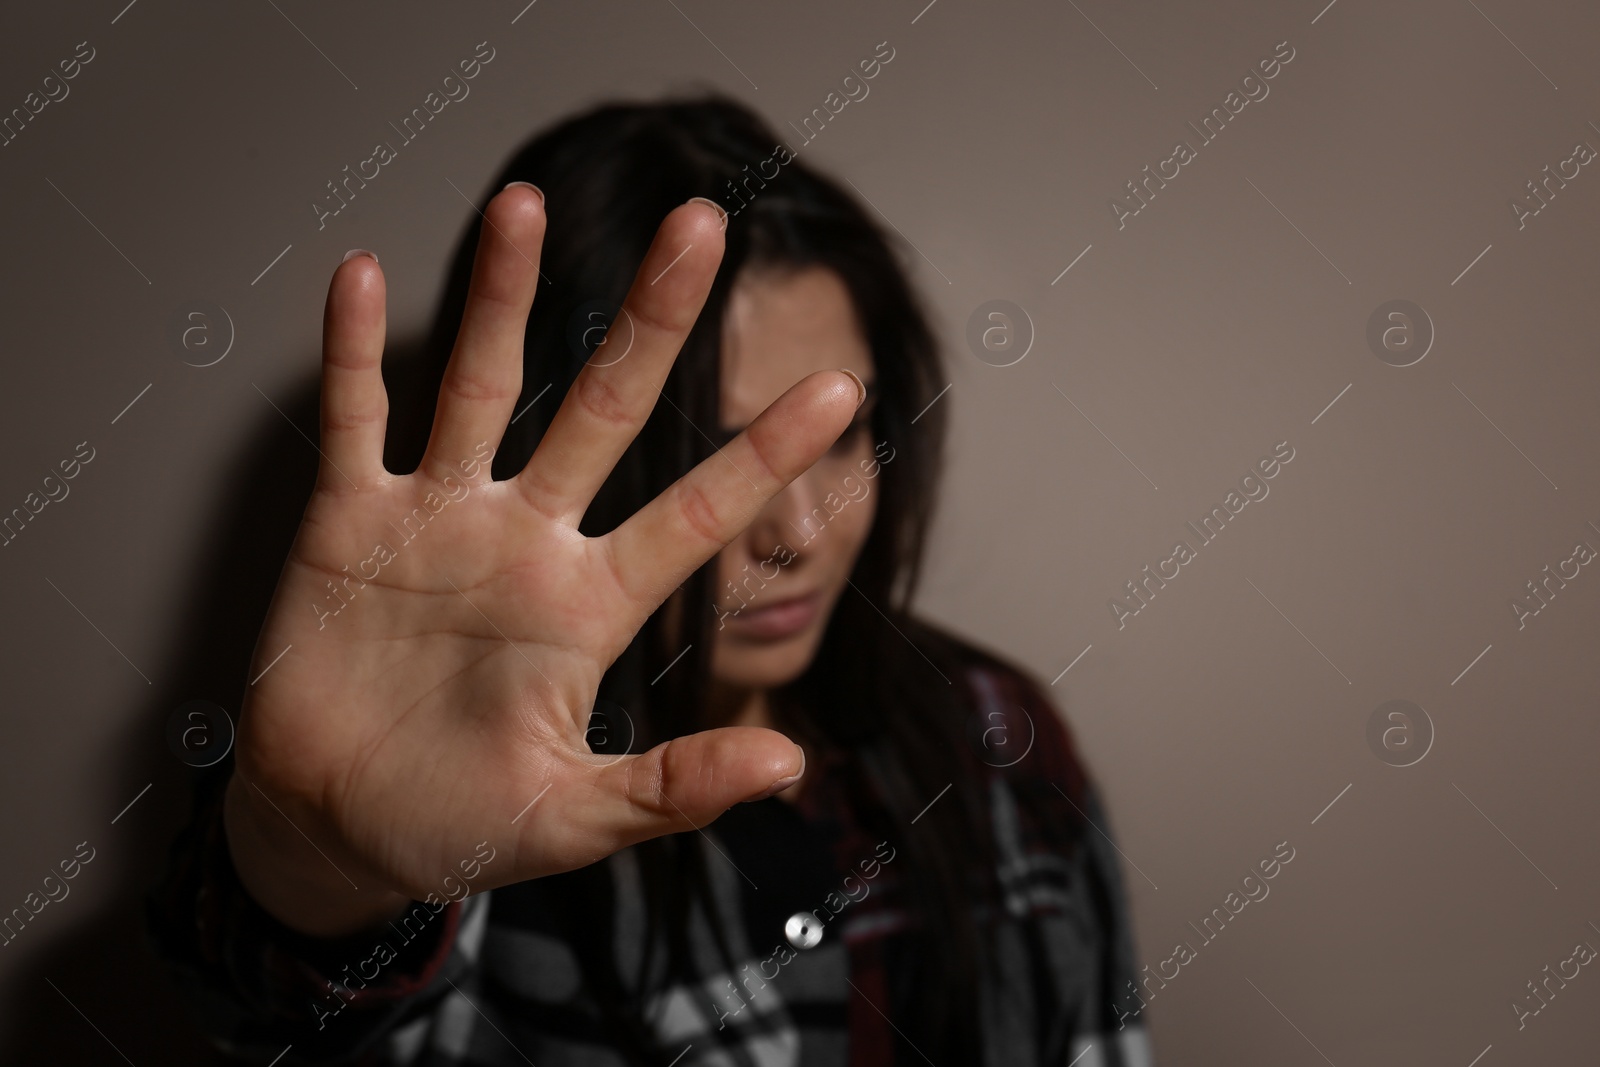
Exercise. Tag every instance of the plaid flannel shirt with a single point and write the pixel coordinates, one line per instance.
(498, 978)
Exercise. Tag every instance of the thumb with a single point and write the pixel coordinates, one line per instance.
(687, 782)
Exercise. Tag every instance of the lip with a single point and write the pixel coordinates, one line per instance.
(782, 618)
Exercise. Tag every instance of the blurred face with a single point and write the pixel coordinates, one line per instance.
(778, 582)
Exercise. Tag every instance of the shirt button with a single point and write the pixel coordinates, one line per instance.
(803, 930)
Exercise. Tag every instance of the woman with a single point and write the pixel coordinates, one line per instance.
(622, 746)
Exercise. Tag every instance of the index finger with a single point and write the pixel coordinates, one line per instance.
(695, 517)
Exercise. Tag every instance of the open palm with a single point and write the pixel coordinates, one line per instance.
(426, 672)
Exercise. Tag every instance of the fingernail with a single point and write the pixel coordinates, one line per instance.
(354, 252)
(861, 386)
(775, 788)
(529, 185)
(782, 783)
(721, 211)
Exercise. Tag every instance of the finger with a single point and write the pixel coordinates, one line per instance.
(686, 783)
(655, 550)
(355, 407)
(617, 389)
(484, 375)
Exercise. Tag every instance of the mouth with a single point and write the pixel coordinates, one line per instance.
(779, 619)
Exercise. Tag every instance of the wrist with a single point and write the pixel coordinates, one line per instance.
(294, 882)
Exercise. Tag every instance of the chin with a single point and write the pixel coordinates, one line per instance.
(765, 666)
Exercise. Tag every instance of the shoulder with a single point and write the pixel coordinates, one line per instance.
(1015, 725)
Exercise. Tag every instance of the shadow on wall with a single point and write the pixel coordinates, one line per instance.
(107, 964)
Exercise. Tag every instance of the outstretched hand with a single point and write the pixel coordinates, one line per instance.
(425, 675)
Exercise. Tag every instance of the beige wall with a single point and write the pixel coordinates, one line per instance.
(1222, 319)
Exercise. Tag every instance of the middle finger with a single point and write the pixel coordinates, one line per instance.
(610, 399)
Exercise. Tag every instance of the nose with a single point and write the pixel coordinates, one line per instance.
(783, 520)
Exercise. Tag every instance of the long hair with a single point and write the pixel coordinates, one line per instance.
(883, 689)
